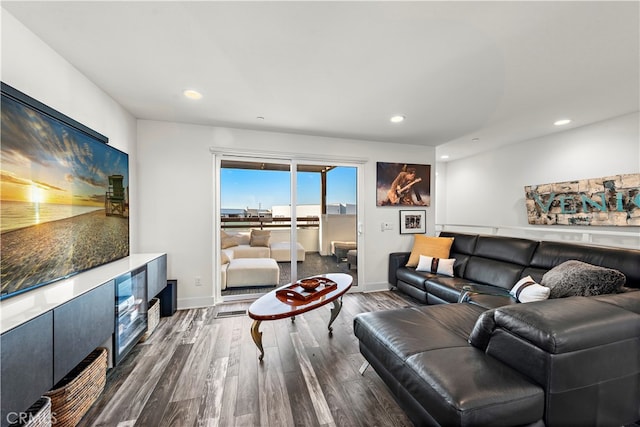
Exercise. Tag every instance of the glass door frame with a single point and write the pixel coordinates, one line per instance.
(220, 154)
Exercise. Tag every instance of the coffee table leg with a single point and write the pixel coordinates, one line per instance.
(337, 306)
(257, 337)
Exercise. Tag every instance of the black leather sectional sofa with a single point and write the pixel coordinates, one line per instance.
(493, 264)
(494, 362)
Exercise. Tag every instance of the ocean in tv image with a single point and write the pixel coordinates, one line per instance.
(64, 202)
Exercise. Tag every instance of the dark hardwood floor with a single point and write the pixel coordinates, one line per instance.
(198, 369)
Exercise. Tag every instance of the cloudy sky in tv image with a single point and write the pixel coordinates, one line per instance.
(46, 161)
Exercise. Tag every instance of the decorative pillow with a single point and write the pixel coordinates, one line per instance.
(527, 290)
(577, 278)
(260, 238)
(436, 265)
(227, 240)
(224, 258)
(243, 238)
(436, 247)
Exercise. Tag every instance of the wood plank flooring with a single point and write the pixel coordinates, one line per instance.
(200, 370)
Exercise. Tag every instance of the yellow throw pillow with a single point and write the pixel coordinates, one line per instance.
(435, 247)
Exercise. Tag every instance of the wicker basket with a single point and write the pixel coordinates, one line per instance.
(153, 318)
(39, 414)
(75, 393)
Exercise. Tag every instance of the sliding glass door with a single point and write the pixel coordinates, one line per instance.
(309, 216)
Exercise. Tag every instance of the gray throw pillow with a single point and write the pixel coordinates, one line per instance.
(577, 278)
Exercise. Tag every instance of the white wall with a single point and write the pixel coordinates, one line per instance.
(172, 173)
(488, 189)
(176, 175)
(32, 67)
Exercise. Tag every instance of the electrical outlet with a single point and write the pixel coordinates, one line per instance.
(198, 281)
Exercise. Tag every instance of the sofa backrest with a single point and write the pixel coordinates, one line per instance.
(461, 249)
(502, 261)
(494, 260)
(550, 254)
(499, 260)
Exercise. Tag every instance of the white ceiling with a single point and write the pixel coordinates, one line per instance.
(498, 71)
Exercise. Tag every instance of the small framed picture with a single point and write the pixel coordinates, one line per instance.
(413, 222)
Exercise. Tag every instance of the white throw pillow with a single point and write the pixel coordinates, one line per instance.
(527, 290)
(436, 265)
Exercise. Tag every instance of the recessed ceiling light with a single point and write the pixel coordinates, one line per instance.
(562, 122)
(260, 118)
(192, 94)
(475, 139)
(397, 119)
(444, 156)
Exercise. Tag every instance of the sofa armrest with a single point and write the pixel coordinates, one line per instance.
(560, 325)
(469, 290)
(396, 260)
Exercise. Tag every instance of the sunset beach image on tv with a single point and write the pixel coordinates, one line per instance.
(64, 199)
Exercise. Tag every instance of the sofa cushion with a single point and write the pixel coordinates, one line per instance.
(281, 251)
(246, 251)
(224, 258)
(628, 300)
(489, 301)
(260, 238)
(465, 387)
(415, 278)
(462, 243)
(577, 278)
(401, 333)
(448, 289)
(252, 272)
(437, 247)
(508, 249)
(492, 272)
(228, 240)
(436, 265)
(461, 249)
(527, 290)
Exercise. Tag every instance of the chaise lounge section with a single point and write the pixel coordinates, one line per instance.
(566, 362)
(492, 361)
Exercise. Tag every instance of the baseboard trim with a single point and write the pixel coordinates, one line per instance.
(195, 302)
(374, 287)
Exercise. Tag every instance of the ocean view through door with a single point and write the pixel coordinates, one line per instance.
(277, 227)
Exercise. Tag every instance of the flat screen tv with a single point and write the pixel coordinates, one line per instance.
(64, 200)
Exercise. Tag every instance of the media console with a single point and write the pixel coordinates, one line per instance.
(48, 331)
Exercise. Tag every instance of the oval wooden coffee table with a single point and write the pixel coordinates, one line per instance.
(291, 300)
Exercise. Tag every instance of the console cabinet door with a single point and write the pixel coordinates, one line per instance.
(156, 276)
(26, 370)
(80, 326)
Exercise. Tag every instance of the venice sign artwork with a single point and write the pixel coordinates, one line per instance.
(612, 200)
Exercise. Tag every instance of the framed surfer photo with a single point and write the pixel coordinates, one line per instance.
(403, 184)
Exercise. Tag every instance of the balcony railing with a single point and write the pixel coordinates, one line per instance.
(268, 222)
